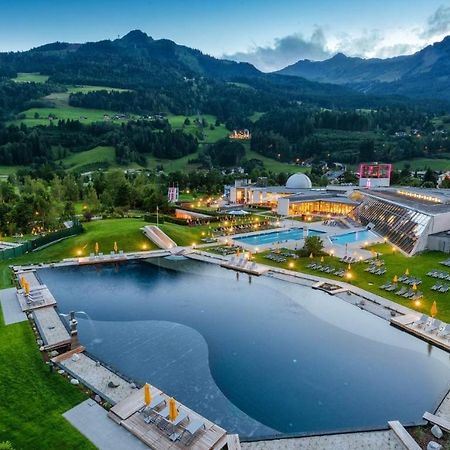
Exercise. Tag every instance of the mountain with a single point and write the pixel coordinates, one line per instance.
(424, 74)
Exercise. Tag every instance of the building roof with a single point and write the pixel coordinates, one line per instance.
(299, 181)
(428, 201)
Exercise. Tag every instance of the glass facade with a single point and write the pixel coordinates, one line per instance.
(320, 207)
(401, 225)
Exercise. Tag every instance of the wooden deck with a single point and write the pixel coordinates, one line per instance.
(405, 438)
(127, 414)
(436, 420)
(406, 323)
(51, 329)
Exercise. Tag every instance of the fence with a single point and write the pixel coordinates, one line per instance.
(40, 241)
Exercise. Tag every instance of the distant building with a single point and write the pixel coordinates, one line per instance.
(240, 135)
(374, 175)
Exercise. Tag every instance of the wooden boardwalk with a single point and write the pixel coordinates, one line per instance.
(407, 323)
(406, 439)
(437, 420)
(128, 414)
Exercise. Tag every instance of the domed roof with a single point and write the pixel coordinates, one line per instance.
(298, 181)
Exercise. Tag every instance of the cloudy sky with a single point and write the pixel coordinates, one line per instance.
(268, 33)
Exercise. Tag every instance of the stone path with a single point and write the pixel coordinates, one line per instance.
(12, 312)
(97, 377)
(375, 440)
(92, 421)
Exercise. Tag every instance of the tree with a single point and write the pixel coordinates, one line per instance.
(366, 151)
(314, 245)
(430, 178)
(445, 183)
(187, 122)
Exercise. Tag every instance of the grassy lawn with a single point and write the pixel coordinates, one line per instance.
(8, 170)
(33, 399)
(275, 166)
(396, 264)
(211, 136)
(96, 155)
(33, 77)
(424, 163)
(184, 235)
(84, 115)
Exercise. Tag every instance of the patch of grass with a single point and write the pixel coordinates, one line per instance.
(84, 115)
(8, 170)
(396, 264)
(33, 399)
(185, 235)
(424, 163)
(275, 166)
(210, 136)
(95, 155)
(30, 77)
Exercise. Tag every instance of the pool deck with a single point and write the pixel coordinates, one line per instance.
(53, 332)
(128, 413)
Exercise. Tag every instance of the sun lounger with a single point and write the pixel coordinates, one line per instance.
(169, 426)
(422, 321)
(444, 331)
(401, 291)
(417, 296)
(386, 285)
(150, 412)
(434, 325)
(393, 287)
(190, 432)
(408, 294)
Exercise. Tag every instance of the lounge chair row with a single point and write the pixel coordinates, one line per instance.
(183, 429)
(439, 274)
(327, 269)
(440, 287)
(446, 262)
(348, 259)
(403, 291)
(275, 257)
(409, 280)
(431, 325)
(375, 270)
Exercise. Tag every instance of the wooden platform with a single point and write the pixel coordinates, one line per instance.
(127, 414)
(406, 323)
(51, 329)
(405, 438)
(436, 420)
(257, 272)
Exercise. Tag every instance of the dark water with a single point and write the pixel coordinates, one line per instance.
(258, 358)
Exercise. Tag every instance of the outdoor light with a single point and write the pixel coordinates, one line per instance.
(291, 265)
(417, 303)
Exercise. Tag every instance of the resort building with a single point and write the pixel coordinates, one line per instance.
(406, 216)
(412, 219)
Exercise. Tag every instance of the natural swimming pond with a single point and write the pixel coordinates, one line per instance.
(259, 359)
(293, 234)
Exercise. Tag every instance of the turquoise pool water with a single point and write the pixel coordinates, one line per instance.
(259, 359)
(294, 234)
(354, 236)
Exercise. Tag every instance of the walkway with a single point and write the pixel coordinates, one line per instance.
(91, 420)
(12, 312)
(375, 440)
(53, 332)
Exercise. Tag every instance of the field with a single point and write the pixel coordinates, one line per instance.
(97, 155)
(274, 165)
(210, 136)
(23, 77)
(424, 163)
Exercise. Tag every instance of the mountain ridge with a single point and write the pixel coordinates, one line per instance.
(424, 73)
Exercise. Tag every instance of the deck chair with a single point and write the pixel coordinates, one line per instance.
(191, 431)
(434, 325)
(422, 321)
(150, 412)
(444, 331)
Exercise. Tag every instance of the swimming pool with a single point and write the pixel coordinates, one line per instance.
(293, 234)
(259, 359)
(354, 236)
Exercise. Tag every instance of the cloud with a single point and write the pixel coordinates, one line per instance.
(372, 43)
(286, 50)
(438, 24)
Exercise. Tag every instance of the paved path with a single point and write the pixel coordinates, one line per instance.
(92, 421)
(12, 312)
(375, 440)
(97, 377)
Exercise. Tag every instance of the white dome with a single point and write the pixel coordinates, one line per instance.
(299, 181)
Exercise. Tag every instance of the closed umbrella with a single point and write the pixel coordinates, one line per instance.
(311, 256)
(434, 309)
(395, 278)
(173, 411)
(414, 286)
(321, 259)
(27, 288)
(349, 267)
(116, 248)
(97, 248)
(147, 394)
(407, 271)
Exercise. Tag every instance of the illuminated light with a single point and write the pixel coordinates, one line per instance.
(348, 275)
(144, 246)
(79, 252)
(417, 303)
(193, 244)
(291, 265)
